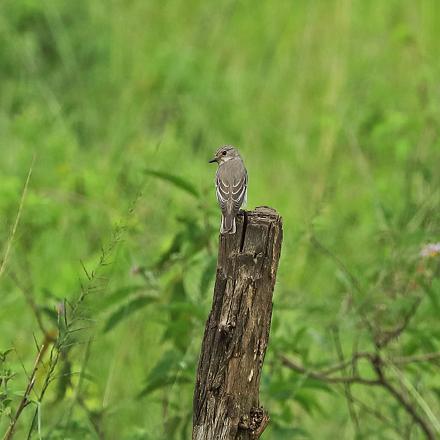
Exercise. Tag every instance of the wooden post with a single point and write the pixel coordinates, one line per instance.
(226, 398)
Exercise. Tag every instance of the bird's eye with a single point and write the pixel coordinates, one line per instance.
(224, 153)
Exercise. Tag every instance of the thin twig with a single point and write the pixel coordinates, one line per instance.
(53, 361)
(427, 357)
(347, 388)
(407, 405)
(376, 413)
(417, 397)
(323, 377)
(66, 324)
(17, 219)
(326, 371)
(385, 338)
(378, 365)
(25, 399)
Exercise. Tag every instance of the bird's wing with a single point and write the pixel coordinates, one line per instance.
(222, 188)
(231, 190)
(239, 191)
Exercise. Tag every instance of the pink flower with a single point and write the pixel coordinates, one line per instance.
(430, 250)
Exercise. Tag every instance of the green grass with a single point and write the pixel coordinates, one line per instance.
(334, 106)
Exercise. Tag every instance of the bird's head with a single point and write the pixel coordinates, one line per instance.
(225, 153)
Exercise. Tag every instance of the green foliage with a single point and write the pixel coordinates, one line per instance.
(335, 108)
(6, 375)
(170, 370)
(177, 181)
(126, 310)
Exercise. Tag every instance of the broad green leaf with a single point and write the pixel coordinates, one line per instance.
(171, 369)
(178, 331)
(171, 426)
(188, 308)
(51, 313)
(128, 309)
(118, 295)
(164, 382)
(177, 181)
(4, 354)
(169, 361)
(173, 249)
(308, 401)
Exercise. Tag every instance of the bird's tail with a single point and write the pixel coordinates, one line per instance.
(228, 225)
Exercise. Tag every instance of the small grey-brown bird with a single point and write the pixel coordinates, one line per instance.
(231, 182)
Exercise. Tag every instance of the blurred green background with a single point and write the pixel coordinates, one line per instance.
(335, 107)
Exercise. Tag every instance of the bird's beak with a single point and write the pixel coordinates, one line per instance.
(213, 160)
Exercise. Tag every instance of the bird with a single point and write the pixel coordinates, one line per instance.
(231, 182)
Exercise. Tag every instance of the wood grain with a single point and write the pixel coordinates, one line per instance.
(226, 398)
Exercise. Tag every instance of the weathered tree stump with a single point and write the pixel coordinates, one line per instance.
(226, 397)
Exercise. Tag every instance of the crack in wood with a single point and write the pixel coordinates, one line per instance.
(243, 234)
